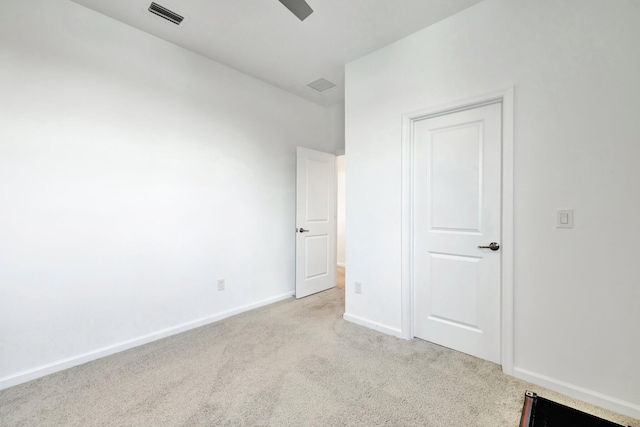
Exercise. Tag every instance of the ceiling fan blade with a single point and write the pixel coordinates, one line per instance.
(300, 8)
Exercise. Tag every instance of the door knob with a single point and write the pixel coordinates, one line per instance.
(302, 230)
(493, 246)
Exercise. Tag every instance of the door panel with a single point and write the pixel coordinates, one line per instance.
(456, 208)
(456, 177)
(315, 222)
(454, 290)
(316, 251)
(317, 191)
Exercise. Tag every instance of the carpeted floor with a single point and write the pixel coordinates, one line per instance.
(293, 363)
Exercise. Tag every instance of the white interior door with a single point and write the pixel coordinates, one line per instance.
(456, 210)
(315, 222)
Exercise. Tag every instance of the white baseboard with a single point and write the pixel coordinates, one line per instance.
(60, 365)
(608, 402)
(341, 264)
(373, 325)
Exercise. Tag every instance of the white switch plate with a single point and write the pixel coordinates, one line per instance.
(221, 284)
(358, 288)
(565, 218)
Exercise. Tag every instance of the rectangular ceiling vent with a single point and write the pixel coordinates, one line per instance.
(321, 85)
(165, 13)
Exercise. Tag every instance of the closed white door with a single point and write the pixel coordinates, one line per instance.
(315, 222)
(457, 205)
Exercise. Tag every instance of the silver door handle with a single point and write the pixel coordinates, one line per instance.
(493, 246)
(302, 230)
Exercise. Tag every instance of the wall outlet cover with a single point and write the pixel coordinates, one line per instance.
(358, 288)
(564, 218)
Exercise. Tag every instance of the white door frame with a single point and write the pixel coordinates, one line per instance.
(506, 97)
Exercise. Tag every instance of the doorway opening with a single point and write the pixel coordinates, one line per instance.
(340, 217)
(320, 222)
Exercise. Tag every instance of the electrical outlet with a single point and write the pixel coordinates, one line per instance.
(565, 219)
(221, 284)
(358, 288)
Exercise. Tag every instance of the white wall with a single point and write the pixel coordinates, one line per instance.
(340, 206)
(575, 66)
(336, 127)
(133, 175)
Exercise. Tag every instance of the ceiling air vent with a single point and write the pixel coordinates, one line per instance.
(165, 13)
(321, 85)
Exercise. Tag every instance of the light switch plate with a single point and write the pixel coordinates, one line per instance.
(565, 218)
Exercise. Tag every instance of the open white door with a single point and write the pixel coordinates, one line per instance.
(315, 222)
(457, 205)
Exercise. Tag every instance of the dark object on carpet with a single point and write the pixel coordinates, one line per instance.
(540, 412)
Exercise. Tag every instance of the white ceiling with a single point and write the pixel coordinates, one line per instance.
(263, 39)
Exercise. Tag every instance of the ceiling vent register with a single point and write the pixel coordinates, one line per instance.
(165, 13)
(321, 85)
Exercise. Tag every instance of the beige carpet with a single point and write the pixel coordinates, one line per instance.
(294, 363)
